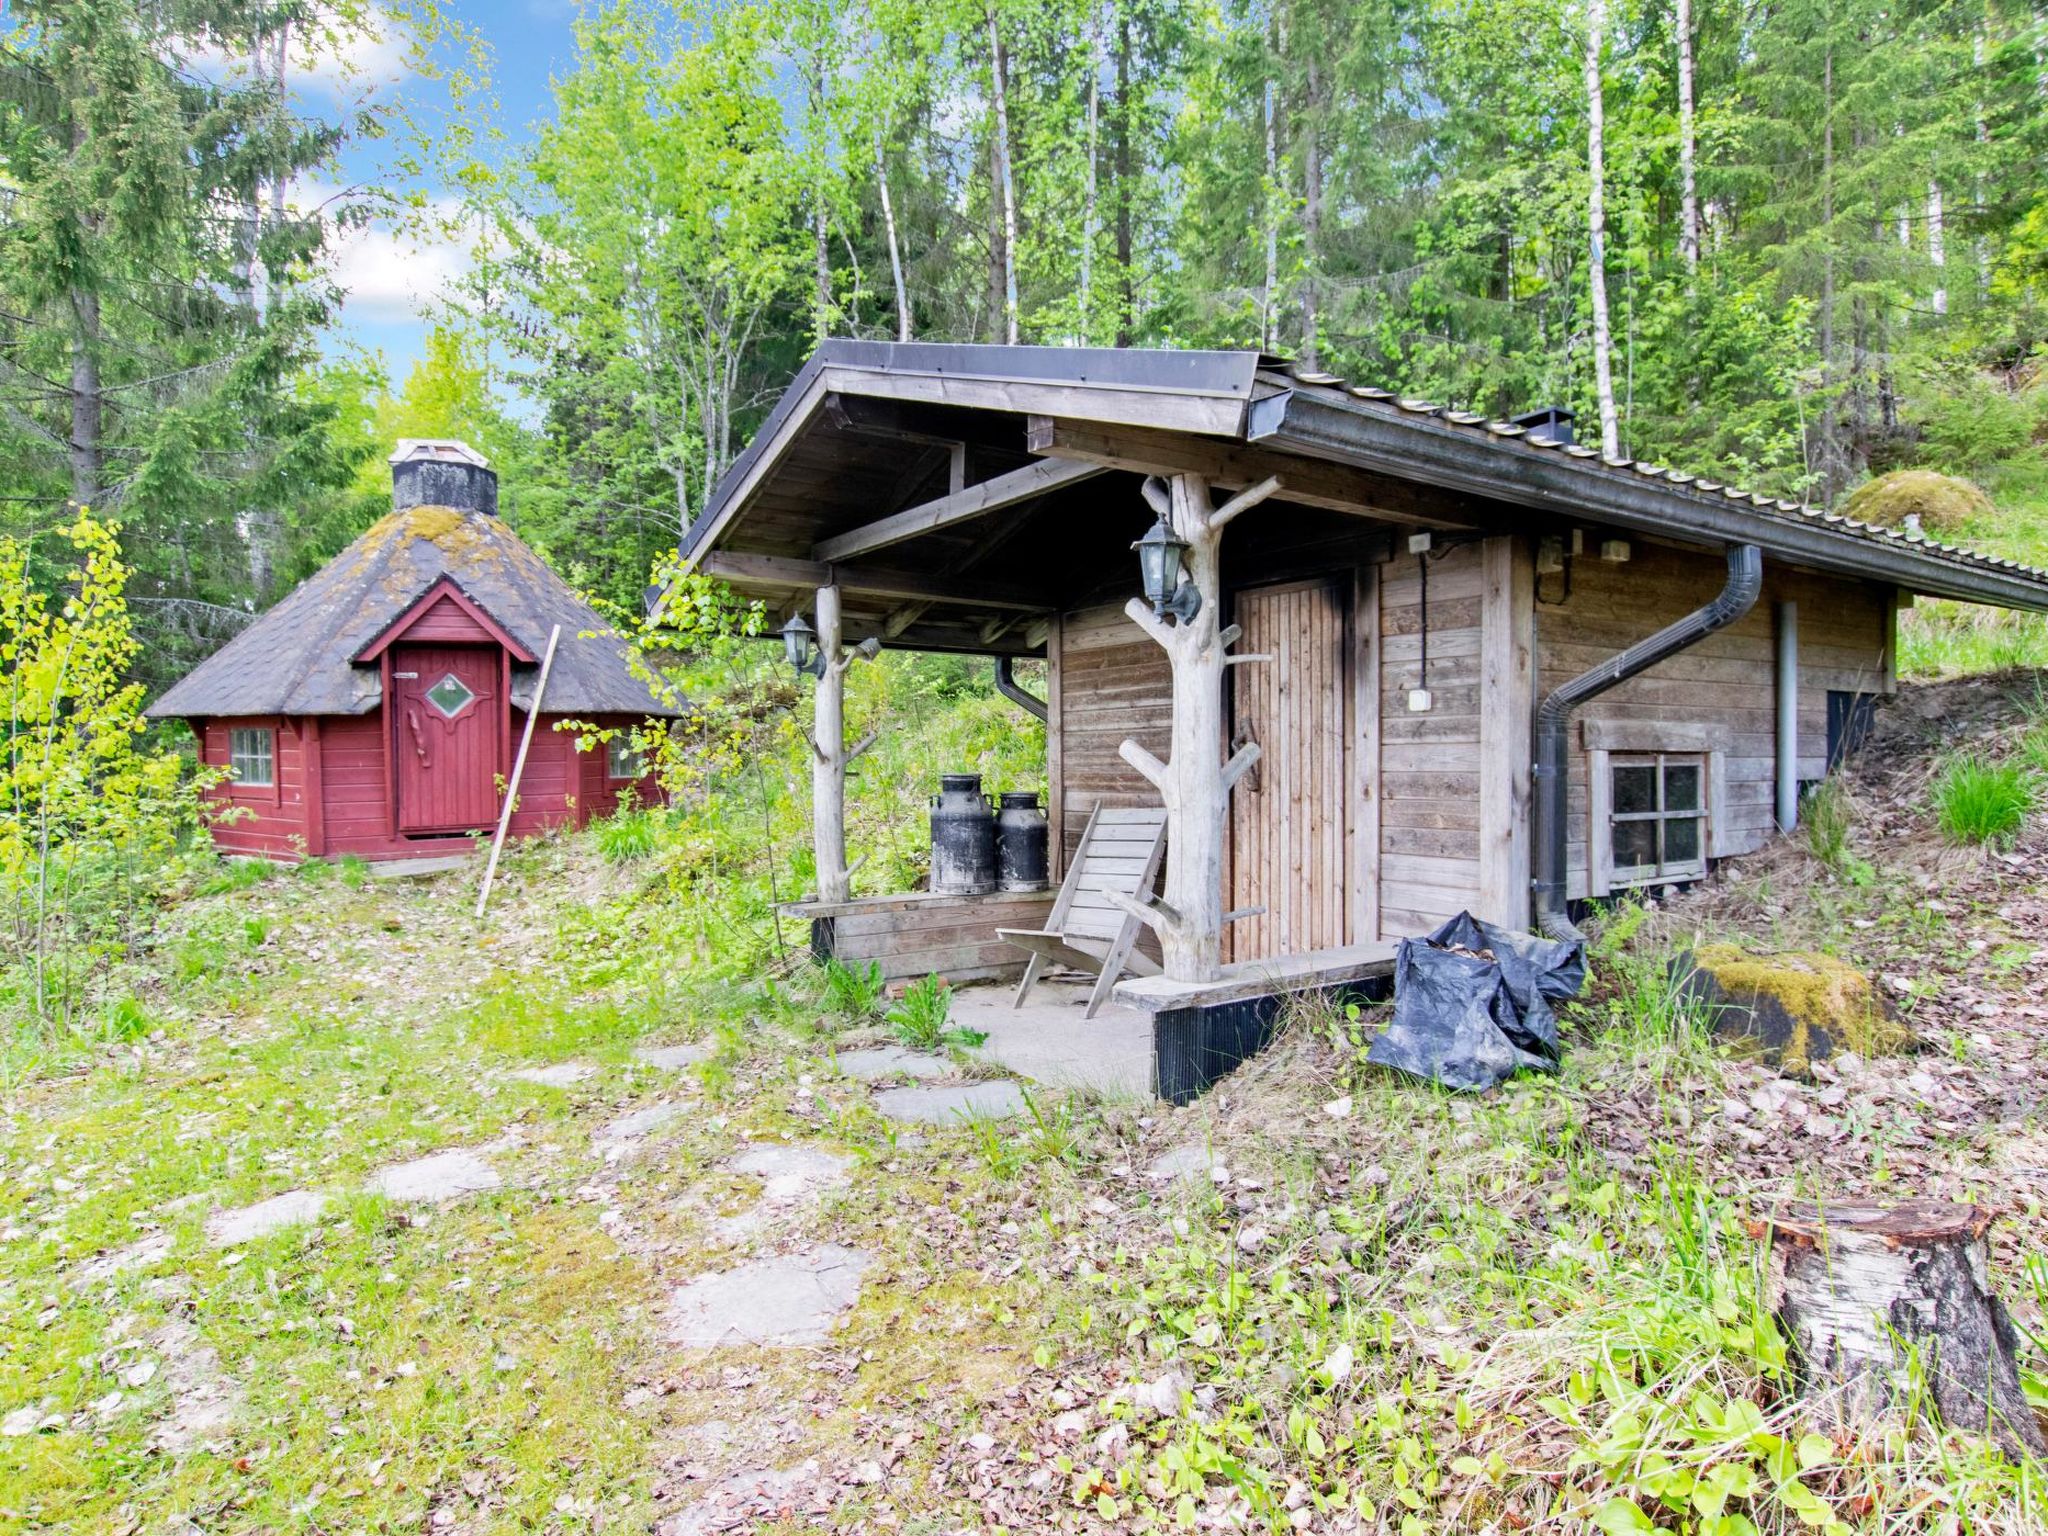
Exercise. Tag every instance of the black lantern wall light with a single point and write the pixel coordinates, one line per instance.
(1161, 557)
(800, 645)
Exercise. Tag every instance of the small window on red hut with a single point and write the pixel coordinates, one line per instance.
(251, 756)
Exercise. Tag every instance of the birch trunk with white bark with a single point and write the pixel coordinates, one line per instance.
(1688, 192)
(999, 69)
(1596, 227)
(895, 250)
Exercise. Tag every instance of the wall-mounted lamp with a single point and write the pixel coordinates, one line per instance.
(800, 645)
(1160, 557)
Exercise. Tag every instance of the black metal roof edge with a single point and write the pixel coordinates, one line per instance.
(1408, 439)
(1191, 372)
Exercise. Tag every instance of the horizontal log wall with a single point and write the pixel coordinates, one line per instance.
(1429, 760)
(1725, 683)
(913, 936)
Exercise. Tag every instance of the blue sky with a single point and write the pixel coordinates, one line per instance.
(390, 275)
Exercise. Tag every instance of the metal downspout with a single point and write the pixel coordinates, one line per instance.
(1554, 714)
(1008, 686)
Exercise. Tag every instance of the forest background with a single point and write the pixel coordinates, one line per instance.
(1790, 245)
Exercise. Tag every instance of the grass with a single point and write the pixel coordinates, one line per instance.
(1977, 800)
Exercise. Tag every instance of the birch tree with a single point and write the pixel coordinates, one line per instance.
(1596, 228)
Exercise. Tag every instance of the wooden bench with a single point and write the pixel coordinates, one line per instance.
(1119, 855)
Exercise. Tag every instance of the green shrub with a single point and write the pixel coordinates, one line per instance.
(853, 992)
(1977, 801)
(919, 1017)
(237, 874)
(1973, 423)
(629, 835)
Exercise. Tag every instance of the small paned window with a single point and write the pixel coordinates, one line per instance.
(1657, 821)
(450, 695)
(622, 760)
(251, 756)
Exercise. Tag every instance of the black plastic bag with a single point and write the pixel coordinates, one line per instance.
(1470, 1022)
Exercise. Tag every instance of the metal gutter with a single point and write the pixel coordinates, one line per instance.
(1554, 718)
(1008, 686)
(1417, 447)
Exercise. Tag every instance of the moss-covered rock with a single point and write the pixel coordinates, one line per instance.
(1790, 1009)
(1942, 503)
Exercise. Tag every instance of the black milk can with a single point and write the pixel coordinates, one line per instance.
(1021, 862)
(963, 837)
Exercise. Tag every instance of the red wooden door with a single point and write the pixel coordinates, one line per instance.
(446, 718)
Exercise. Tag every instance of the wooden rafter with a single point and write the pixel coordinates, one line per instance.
(873, 581)
(1234, 466)
(974, 501)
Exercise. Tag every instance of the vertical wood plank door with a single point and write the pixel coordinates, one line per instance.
(1290, 820)
(444, 716)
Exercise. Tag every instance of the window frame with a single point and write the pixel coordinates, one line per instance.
(1664, 871)
(268, 756)
(622, 745)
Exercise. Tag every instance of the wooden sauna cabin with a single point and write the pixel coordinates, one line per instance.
(1413, 660)
(377, 709)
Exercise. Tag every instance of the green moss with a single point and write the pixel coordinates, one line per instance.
(1828, 1004)
(1943, 503)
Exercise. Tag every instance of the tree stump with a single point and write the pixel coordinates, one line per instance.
(1858, 1289)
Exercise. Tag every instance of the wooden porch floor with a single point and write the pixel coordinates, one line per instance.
(1307, 972)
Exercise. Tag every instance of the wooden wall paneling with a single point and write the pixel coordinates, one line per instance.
(1599, 877)
(1055, 733)
(1507, 689)
(1364, 767)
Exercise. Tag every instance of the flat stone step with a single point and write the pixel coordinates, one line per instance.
(443, 1176)
(891, 1061)
(789, 1173)
(788, 1299)
(560, 1074)
(951, 1102)
(641, 1122)
(226, 1229)
(671, 1058)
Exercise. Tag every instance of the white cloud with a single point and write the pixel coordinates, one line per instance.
(395, 267)
(330, 56)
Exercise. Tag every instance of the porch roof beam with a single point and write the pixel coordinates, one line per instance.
(872, 581)
(961, 506)
(1233, 466)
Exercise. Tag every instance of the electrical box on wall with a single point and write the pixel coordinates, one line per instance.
(1614, 551)
(1418, 544)
(1418, 701)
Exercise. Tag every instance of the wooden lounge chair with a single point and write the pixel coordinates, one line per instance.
(1120, 852)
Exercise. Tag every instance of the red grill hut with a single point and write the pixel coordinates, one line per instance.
(377, 709)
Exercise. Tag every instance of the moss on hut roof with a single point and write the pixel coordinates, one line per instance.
(297, 658)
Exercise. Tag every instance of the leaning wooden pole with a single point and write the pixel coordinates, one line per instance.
(1195, 784)
(540, 688)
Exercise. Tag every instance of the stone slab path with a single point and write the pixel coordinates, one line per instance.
(788, 1299)
(790, 1173)
(641, 1122)
(672, 1058)
(891, 1061)
(444, 1176)
(944, 1105)
(560, 1074)
(227, 1229)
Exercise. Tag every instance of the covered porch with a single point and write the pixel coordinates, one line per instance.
(896, 499)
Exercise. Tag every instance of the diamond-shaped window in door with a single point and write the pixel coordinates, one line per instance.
(450, 695)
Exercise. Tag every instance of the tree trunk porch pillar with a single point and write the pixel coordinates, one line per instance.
(1195, 784)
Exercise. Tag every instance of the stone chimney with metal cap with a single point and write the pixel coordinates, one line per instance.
(441, 472)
